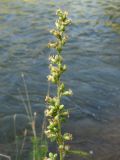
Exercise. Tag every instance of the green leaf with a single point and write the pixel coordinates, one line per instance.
(78, 152)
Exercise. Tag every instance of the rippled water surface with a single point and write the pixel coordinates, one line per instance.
(92, 55)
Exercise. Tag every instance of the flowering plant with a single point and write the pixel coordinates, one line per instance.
(56, 112)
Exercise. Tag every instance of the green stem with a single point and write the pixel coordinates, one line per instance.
(60, 140)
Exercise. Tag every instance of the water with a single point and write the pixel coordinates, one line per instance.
(92, 55)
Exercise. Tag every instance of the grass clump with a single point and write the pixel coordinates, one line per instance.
(39, 142)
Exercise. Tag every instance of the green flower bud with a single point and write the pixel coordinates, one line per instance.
(65, 114)
(67, 136)
(55, 129)
(60, 25)
(59, 12)
(55, 59)
(63, 68)
(67, 147)
(61, 107)
(66, 13)
(50, 100)
(51, 155)
(51, 78)
(56, 33)
(52, 124)
(64, 16)
(47, 132)
(54, 69)
(52, 137)
(56, 118)
(52, 59)
(67, 22)
(50, 134)
(52, 44)
(68, 93)
(61, 147)
(48, 113)
(55, 155)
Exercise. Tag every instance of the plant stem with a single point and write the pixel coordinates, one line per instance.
(60, 141)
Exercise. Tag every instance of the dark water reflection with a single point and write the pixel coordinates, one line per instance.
(93, 57)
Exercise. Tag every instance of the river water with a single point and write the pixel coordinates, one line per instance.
(93, 58)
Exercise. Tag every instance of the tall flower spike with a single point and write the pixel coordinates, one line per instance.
(56, 112)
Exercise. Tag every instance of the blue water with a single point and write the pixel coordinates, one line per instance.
(93, 58)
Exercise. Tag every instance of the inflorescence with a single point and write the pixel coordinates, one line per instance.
(56, 113)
